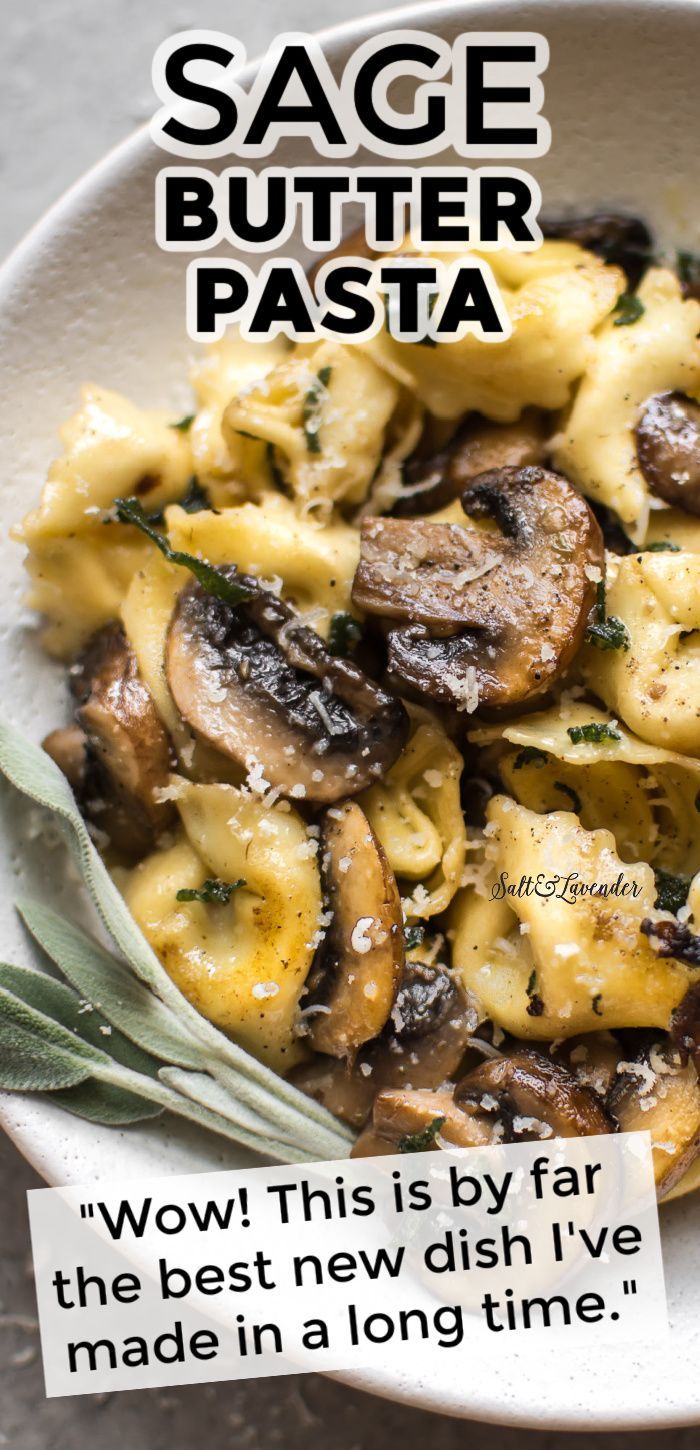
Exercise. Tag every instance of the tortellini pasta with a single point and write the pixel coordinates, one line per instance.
(659, 352)
(555, 297)
(654, 685)
(325, 413)
(81, 567)
(644, 795)
(312, 565)
(339, 719)
(544, 962)
(417, 815)
(237, 467)
(242, 964)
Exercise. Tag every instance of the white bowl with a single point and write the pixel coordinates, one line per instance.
(88, 296)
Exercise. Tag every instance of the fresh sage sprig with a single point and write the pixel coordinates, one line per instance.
(38, 1053)
(289, 1116)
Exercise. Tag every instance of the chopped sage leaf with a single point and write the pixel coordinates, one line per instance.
(214, 892)
(612, 633)
(195, 499)
(671, 891)
(311, 413)
(593, 734)
(573, 795)
(129, 511)
(418, 1142)
(183, 425)
(662, 546)
(344, 633)
(606, 633)
(535, 1007)
(630, 308)
(413, 936)
(530, 755)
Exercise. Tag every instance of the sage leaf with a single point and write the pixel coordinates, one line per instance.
(231, 591)
(105, 982)
(99, 1102)
(33, 773)
(53, 999)
(200, 1088)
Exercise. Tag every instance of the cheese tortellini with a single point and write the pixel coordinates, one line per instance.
(644, 795)
(324, 413)
(659, 352)
(242, 963)
(80, 567)
(546, 961)
(417, 815)
(555, 297)
(654, 684)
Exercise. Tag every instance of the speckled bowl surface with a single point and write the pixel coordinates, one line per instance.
(88, 297)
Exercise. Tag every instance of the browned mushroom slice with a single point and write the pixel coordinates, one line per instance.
(412, 1119)
(482, 617)
(69, 748)
(126, 752)
(623, 240)
(479, 446)
(532, 1097)
(422, 1046)
(668, 448)
(657, 1094)
(355, 980)
(262, 688)
(412, 569)
(673, 939)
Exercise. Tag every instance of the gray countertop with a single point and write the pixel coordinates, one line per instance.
(76, 79)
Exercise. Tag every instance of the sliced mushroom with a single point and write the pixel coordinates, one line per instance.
(592, 1058)
(125, 749)
(354, 982)
(532, 1097)
(485, 617)
(423, 1045)
(668, 449)
(261, 687)
(656, 1093)
(401, 1115)
(479, 446)
(623, 240)
(673, 939)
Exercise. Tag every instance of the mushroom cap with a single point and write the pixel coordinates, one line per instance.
(433, 481)
(668, 448)
(261, 687)
(358, 970)
(527, 1089)
(500, 628)
(422, 1045)
(623, 240)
